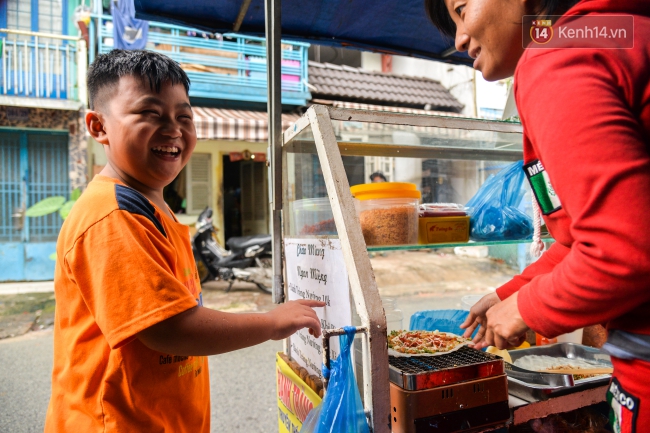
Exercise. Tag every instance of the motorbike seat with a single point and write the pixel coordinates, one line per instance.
(243, 242)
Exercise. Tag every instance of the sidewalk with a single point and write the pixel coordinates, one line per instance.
(397, 274)
(30, 287)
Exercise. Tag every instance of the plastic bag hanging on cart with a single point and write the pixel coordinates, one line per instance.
(341, 410)
(495, 211)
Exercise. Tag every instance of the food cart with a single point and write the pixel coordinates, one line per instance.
(464, 390)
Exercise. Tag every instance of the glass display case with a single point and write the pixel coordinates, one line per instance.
(321, 152)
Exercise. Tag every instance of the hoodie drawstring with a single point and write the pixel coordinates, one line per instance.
(537, 247)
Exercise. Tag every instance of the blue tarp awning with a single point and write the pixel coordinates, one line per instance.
(388, 26)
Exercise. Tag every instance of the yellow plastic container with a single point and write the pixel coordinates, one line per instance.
(385, 190)
(443, 230)
(388, 212)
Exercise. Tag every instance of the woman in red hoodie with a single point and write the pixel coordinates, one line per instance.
(586, 119)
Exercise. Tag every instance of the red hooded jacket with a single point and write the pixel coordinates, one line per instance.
(586, 117)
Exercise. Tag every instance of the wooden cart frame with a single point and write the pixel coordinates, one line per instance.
(361, 276)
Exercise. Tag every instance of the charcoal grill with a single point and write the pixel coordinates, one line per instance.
(459, 391)
(425, 372)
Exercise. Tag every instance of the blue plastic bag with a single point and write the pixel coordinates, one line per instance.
(341, 410)
(439, 320)
(494, 210)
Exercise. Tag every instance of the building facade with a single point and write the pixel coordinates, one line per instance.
(228, 92)
(359, 88)
(43, 149)
(45, 152)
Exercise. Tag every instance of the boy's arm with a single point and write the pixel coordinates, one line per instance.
(202, 331)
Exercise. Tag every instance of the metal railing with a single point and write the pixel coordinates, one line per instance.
(37, 67)
(233, 67)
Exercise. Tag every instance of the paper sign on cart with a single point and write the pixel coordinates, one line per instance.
(316, 270)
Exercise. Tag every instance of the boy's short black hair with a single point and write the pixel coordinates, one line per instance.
(152, 67)
(439, 15)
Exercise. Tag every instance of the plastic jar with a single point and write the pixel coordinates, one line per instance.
(468, 301)
(312, 216)
(394, 315)
(388, 212)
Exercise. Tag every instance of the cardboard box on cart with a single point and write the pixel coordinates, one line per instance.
(295, 398)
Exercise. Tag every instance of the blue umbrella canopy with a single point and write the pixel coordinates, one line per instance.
(387, 26)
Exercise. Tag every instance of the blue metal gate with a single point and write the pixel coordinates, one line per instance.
(33, 166)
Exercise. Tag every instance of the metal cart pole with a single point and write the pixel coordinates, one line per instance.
(273, 14)
(327, 334)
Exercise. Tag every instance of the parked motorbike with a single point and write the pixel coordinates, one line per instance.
(248, 258)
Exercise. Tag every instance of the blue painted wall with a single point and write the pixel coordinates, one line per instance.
(12, 261)
(27, 262)
(38, 265)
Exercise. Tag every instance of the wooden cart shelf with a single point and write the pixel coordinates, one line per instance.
(450, 245)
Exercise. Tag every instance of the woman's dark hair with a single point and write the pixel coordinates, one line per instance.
(378, 174)
(153, 68)
(439, 15)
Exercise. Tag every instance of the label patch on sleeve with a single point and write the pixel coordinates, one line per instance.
(624, 408)
(540, 183)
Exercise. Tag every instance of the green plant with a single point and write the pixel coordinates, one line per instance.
(45, 206)
(52, 204)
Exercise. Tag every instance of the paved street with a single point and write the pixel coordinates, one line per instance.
(242, 383)
(25, 367)
(242, 386)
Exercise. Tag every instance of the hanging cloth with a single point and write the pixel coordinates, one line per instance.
(128, 32)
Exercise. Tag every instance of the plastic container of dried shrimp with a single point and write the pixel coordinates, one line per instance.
(388, 212)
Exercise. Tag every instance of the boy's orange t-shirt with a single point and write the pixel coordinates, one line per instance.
(123, 266)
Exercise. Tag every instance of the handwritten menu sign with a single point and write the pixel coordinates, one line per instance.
(316, 270)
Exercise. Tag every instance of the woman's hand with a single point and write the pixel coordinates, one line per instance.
(505, 327)
(477, 316)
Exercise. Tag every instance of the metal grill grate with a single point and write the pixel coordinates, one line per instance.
(464, 356)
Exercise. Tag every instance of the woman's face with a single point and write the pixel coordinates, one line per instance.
(490, 31)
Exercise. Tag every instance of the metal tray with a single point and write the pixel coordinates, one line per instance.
(530, 390)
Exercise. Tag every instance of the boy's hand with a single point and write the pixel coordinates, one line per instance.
(293, 316)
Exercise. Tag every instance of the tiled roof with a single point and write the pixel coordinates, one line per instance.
(329, 81)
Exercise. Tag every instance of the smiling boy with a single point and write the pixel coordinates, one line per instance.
(130, 331)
